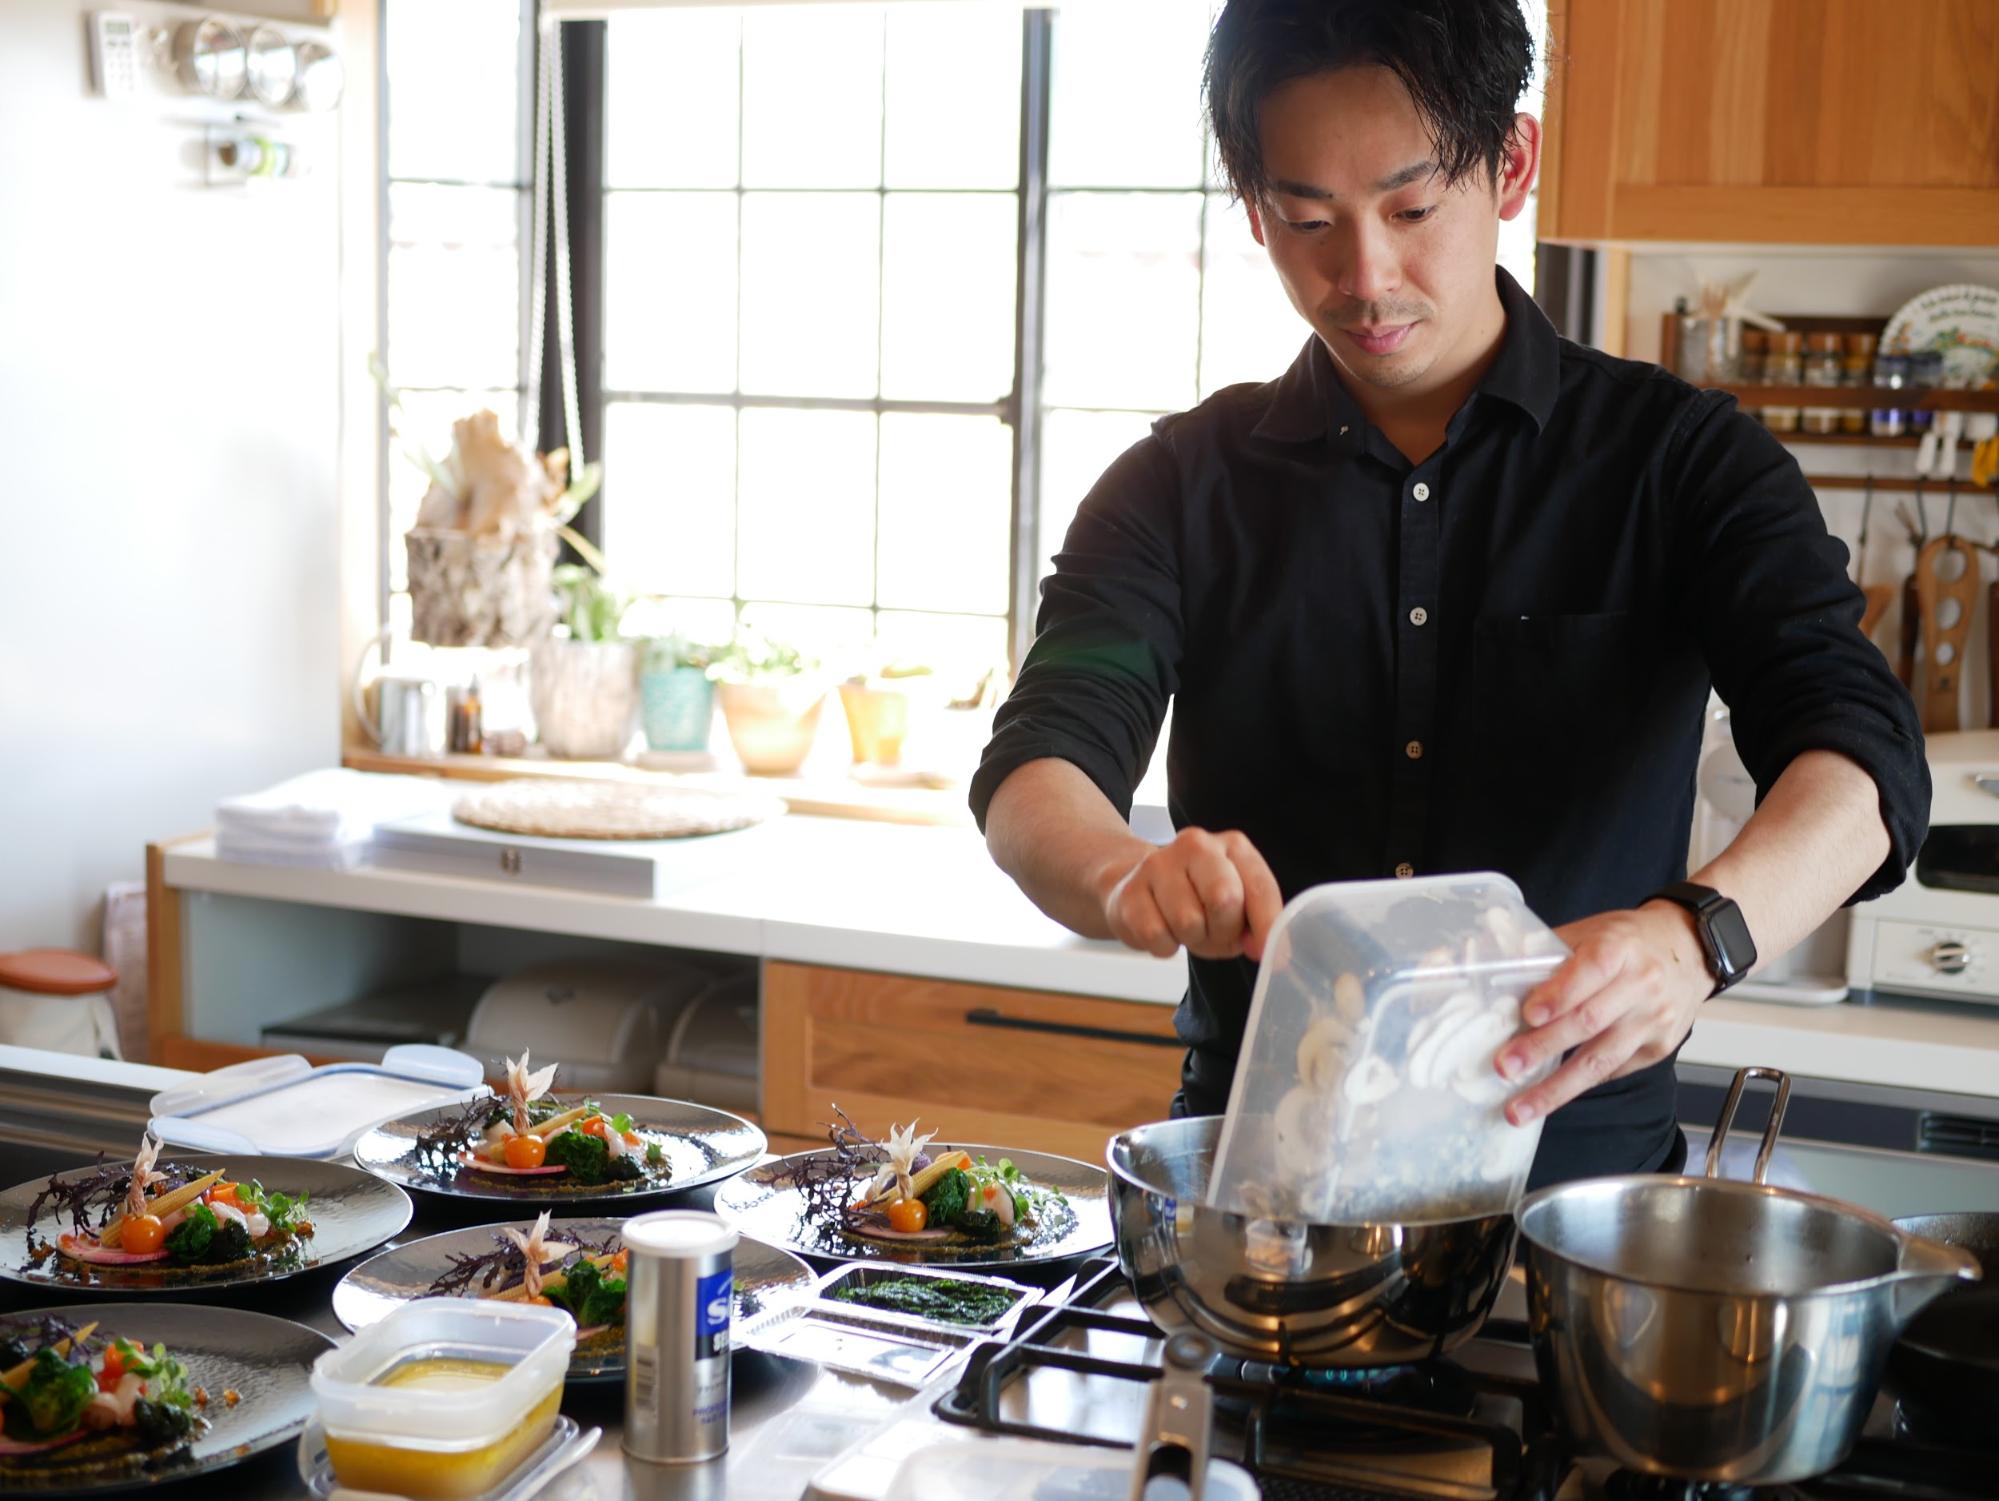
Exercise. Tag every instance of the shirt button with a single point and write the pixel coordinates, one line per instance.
(1420, 490)
(1419, 616)
(1413, 750)
(1404, 871)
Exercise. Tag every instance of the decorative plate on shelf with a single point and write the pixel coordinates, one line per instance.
(456, 1263)
(254, 1371)
(1960, 322)
(349, 1213)
(673, 1146)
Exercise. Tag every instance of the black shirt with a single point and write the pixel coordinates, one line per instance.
(1498, 658)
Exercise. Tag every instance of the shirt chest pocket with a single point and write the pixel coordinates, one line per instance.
(1550, 683)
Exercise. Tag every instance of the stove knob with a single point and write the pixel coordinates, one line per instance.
(1951, 957)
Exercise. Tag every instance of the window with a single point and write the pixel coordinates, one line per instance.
(811, 261)
(453, 334)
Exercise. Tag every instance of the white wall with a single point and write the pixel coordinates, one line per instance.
(170, 369)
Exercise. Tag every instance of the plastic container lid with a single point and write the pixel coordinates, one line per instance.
(1366, 1089)
(679, 1233)
(1017, 1469)
(532, 1340)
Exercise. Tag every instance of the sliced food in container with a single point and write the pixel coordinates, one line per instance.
(1366, 1090)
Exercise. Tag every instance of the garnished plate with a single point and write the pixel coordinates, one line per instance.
(766, 1279)
(351, 1213)
(695, 1145)
(778, 1202)
(265, 1362)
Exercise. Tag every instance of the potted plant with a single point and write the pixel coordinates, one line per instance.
(676, 695)
(584, 682)
(771, 695)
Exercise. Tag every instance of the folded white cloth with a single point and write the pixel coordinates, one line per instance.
(251, 849)
(321, 811)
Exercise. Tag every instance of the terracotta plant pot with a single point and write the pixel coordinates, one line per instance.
(586, 697)
(772, 723)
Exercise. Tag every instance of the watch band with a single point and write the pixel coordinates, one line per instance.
(1724, 935)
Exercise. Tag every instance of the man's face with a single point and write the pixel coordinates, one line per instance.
(1393, 269)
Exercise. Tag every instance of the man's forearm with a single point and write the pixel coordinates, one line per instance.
(1814, 841)
(1051, 829)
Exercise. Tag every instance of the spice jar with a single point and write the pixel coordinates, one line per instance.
(1891, 372)
(1783, 365)
(1755, 346)
(1859, 371)
(1824, 366)
(1925, 370)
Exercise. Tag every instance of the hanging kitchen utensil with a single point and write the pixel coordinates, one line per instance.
(1947, 1360)
(1718, 1330)
(1918, 526)
(1947, 589)
(1878, 596)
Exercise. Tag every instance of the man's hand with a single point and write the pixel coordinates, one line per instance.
(1211, 892)
(1624, 999)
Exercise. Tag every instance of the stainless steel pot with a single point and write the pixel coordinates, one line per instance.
(1308, 1295)
(1719, 1330)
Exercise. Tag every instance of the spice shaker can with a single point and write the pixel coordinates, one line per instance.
(679, 1295)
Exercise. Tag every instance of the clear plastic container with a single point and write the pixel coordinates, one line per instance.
(444, 1398)
(1366, 1089)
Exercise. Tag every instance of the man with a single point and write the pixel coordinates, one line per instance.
(1447, 595)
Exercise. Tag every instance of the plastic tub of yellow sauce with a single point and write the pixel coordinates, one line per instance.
(443, 1399)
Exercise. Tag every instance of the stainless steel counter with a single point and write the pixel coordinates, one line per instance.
(49, 1122)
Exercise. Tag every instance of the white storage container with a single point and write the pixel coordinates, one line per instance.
(711, 1052)
(1366, 1089)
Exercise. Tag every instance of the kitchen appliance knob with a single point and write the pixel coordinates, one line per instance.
(1950, 956)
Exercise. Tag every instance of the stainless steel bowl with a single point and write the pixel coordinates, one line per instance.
(1718, 1330)
(1306, 1295)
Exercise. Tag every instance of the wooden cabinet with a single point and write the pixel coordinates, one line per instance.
(1020, 1068)
(1773, 121)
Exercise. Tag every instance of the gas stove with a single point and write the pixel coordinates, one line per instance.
(1472, 1427)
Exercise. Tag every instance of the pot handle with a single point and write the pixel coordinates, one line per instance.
(1721, 1127)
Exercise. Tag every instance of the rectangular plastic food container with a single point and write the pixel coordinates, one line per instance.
(1366, 1089)
(442, 1442)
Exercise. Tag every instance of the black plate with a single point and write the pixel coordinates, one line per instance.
(702, 1146)
(766, 1278)
(267, 1360)
(759, 1203)
(352, 1212)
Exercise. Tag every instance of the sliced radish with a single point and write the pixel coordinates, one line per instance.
(478, 1165)
(79, 1249)
(920, 1237)
(10, 1447)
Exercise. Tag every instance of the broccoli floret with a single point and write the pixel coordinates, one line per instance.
(948, 1196)
(56, 1394)
(161, 1423)
(981, 1225)
(188, 1241)
(591, 1296)
(589, 1160)
(229, 1243)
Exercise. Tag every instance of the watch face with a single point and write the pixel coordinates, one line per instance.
(1731, 935)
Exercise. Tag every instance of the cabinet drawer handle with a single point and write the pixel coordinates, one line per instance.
(986, 1016)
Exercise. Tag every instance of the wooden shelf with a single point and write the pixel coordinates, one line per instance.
(1847, 440)
(1885, 398)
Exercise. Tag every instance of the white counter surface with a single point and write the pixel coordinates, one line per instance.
(929, 902)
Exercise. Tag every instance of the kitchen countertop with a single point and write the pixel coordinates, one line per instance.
(930, 902)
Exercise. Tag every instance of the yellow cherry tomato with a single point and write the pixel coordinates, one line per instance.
(908, 1215)
(144, 1233)
(526, 1151)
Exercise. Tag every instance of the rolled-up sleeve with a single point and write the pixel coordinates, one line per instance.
(1779, 622)
(1095, 686)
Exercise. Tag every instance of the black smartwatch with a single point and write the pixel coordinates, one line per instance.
(1731, 952)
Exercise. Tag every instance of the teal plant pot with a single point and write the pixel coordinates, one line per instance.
(678, 707)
